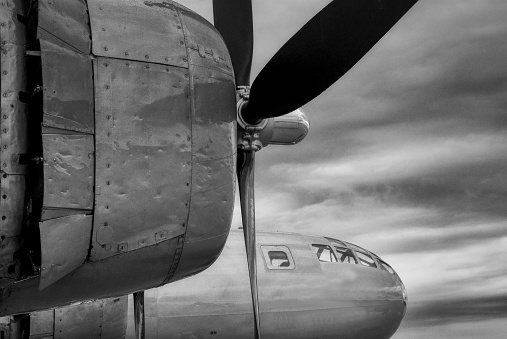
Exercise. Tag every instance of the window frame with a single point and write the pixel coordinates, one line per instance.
(375, 265)
(314, 245)
(356, 260)
(277, 248)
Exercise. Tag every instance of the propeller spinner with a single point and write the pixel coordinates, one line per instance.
(321, 52)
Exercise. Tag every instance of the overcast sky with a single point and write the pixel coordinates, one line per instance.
(406, 156)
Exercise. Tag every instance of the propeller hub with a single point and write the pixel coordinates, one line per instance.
(249, 135)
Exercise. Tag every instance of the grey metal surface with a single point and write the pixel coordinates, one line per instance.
(64, 246)
(68, 171)
(65, 22)
(204, 45)
(13, 137)
(12, 200)
(104, 319)
(118, 275)
(68, 88)
(42, 324)
(149, 31)
(143, 146)
(327, 300)
(13, 80)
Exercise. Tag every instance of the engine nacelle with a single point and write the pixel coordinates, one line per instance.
(289, 129)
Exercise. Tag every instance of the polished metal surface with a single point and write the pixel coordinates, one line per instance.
(137, 30)
(68, 88)
(65, 22)
(64, 246)
(313, 300)
(143, 150)
(153, 166)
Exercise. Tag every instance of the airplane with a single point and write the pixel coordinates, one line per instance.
(124, 125)
(309, 287)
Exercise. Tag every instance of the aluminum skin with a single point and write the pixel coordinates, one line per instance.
(13, 138)
(138, 145)
(304, 299)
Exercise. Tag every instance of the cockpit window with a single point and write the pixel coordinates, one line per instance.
(345, 255)
(385, 266)
(365, 259)
(336, 242)
(324, 253)
(278, 257)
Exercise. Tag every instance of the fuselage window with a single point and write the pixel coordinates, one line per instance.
(278, 257)
(345, 255)
(324, 253)
(365, 259)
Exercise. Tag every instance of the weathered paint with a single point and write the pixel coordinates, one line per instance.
(13, 137)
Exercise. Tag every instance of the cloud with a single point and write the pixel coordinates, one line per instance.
(406, 156)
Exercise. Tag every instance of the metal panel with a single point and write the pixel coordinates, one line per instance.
(137, 30)
(11, 210)
(204, 44)
(64, 246)
(68, 171)
(42, 324)
(13, 74)
(68, 88)
(118, 275)
(143, 147)
(213, 154)
(115, 312)
(66, 21)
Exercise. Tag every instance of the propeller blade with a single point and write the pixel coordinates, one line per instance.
(139, 318)
(246, 167)
(233, 19)
(323, 50)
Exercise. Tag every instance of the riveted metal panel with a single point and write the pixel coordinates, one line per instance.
(13, 80)
(68, 171)
(137, 30)
(13, 137)
(213, 154)
(64, 246)
(205, 46)
(68, 88)
(11, 204)
(12, 200)
(143, 143)
(66, 21)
